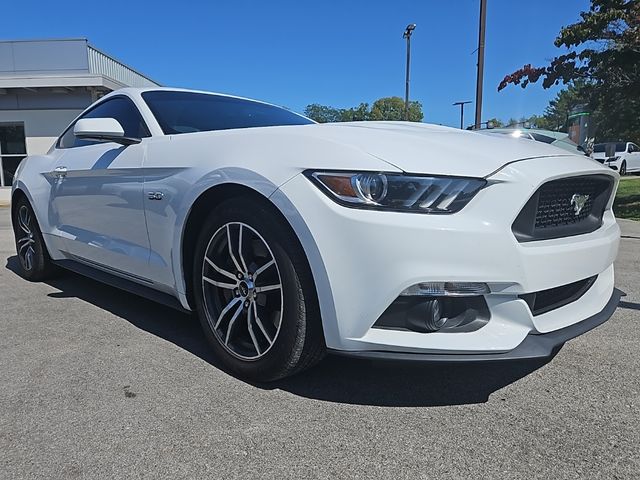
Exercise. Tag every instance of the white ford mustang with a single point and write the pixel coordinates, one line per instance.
(290, 239)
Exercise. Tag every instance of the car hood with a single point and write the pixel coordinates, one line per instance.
(432, 149)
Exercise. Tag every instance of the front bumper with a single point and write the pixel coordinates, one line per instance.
(368, 257)
(534, 346)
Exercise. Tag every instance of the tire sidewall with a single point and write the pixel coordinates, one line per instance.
(40, 258)
(288, 344)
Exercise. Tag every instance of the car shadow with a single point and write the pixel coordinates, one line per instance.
(335, 379)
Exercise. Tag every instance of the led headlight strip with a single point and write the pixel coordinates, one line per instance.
(397, 192)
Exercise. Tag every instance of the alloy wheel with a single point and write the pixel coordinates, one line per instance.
(26, 240)
(242, 291)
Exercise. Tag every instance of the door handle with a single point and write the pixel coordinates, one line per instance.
(60, 172)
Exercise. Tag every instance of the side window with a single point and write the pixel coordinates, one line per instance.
(633, 148)
(120, 108)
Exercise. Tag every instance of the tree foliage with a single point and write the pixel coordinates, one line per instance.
(602, 65)
(387, 108)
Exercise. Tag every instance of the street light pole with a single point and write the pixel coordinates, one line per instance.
(407, 34)
(462, 104)
(483, 22)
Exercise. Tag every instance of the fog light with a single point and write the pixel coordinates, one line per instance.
(426, 317)
(446, 289)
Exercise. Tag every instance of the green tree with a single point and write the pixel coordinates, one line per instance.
(602, 64)
(323, 113)
(357, 114)
(388, 108)
(392, 108)
(557, 112)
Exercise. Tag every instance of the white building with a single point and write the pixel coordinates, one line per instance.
(44, 84)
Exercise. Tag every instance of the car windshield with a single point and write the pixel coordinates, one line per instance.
(602, 147)
(186, 112)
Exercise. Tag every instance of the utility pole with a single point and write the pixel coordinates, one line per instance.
(462, 104)
(407, 34)
(483, 22)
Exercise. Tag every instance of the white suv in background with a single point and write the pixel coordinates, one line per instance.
(620, 156)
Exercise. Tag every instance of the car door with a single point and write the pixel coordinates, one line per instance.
(633, 164)
(96, 194)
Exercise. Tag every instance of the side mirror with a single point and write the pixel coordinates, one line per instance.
(102, 130)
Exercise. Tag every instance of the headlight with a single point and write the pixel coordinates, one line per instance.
(397, 192)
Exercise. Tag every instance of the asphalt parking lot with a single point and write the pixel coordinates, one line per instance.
(97, 383)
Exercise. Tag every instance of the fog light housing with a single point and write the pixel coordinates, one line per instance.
(426, 317)
(446, 289)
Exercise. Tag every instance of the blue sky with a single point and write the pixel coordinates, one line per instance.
(338, 53)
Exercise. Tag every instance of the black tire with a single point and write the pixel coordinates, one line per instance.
(623, 168)
(299, 341)
(34, 262)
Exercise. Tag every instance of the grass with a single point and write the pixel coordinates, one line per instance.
(627, 202)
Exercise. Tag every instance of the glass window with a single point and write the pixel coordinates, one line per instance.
(618, 147)
(13, 149)
(185, 112)
(120, 108)
(542, 138)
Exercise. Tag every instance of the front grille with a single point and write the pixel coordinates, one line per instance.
(546, 300)
(564, 207)
(555, 205)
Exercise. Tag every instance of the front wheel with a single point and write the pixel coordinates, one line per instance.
(623, 168)
(254, 293)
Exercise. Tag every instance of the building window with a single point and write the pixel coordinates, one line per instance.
(12, 150)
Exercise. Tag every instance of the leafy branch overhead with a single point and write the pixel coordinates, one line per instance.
(610, 36)
(602, 65)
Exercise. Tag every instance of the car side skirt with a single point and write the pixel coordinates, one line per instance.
(119, 282)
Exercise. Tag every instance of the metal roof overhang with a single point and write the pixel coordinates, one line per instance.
(44, 81)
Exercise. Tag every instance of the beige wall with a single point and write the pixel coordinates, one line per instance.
(42, 127)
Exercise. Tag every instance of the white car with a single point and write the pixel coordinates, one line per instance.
(291, 239)
(621, 156)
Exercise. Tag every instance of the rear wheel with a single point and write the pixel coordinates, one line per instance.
(33, 258)
(254, 293)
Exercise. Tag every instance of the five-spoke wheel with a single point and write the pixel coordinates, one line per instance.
(254, 292)
(25, 240)
(242, 290)
(33, 257)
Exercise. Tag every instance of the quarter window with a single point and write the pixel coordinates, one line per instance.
(120, 108)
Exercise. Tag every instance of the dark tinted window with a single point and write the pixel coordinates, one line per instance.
(120, 108)
(602, 147)
(185, 112)
(542, 138)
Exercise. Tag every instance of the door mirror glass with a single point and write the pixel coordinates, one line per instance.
(102, 129)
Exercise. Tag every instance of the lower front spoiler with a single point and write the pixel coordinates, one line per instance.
(534, 346)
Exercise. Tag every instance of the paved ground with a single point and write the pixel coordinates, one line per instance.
(5, 196)
(96, 383)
